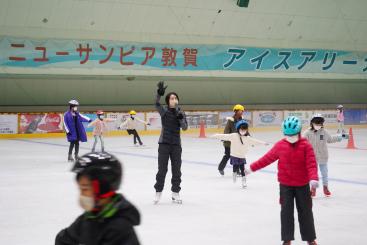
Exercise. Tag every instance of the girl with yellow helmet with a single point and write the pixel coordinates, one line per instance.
(131, 125)
(229, 129)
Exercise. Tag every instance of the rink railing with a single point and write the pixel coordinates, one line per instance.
(50, 124)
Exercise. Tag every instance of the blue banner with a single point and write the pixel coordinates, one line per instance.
(85, 124)
(44, 54)
(355, 116)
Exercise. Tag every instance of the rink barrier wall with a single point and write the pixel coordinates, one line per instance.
(50, 124)
(193, 132)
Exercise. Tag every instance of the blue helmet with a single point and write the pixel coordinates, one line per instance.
(291, 126)
(241, 123)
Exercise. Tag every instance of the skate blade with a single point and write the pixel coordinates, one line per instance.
(177, 201)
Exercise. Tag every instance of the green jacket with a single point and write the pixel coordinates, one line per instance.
(113, 225)
(229, 129)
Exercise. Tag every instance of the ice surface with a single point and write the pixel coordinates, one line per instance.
(39, 194)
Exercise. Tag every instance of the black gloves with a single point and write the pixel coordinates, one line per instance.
(179, 113)
(180, 116)
(161, 88)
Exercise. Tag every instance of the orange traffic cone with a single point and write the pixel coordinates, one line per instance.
(351, 140)
(202, 130)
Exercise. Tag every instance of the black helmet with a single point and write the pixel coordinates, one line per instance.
(317, 119)
(103, 169)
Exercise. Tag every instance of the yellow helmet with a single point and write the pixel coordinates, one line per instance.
(132, 112)
(238, 107)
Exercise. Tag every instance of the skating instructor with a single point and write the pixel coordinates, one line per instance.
(173, 120)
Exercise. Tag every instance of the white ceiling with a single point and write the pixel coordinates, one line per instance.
(336, 24)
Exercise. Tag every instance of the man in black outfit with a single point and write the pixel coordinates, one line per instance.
(173, 119)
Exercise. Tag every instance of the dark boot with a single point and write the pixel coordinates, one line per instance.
(70, 158)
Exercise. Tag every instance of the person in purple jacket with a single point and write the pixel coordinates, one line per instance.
(75, 132)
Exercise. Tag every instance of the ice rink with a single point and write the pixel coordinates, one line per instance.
(39, 194)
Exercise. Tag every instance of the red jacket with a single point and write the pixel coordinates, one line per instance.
(296, 165)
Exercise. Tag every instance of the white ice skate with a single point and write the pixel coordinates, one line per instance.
(157, 197)
(176, 198)
(244, 184)
(234, 177)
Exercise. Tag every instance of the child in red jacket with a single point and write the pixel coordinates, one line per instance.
(297, 169)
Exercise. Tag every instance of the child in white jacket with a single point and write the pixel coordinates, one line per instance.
(240, 143)
(319, 138)
(131, 125)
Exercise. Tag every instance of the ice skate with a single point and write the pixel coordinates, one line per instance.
(157, 197)
(244, 184)
(70, 158)
(313, 192)
(327, 193)
(176, 198)
(234, 177)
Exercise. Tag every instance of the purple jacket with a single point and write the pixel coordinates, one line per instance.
(71, 130)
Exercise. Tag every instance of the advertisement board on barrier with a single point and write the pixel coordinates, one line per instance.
(155, 120)
(329, 115)
(194, 118)
(9, 124)
(121, 117)
(355, 116)
(267, 118)
(41, 123)
(305, 116)
(112, 126)
(223, 115)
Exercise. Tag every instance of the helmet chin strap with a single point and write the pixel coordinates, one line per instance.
(240, 137)
(96, 190)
